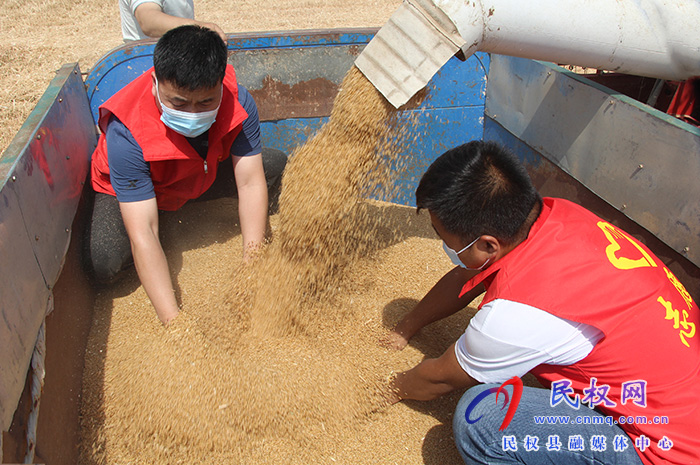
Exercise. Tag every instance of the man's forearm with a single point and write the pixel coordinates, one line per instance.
(154, 22)
(152, 268)
(416, 384)
(440, 302)
(252, 212)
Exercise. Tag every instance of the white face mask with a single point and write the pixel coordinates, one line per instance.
(186, 123)
(454, 256)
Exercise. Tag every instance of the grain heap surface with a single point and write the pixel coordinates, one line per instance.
(279, 360)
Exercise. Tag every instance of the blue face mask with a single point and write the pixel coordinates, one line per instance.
(186, 123)
(454, 256)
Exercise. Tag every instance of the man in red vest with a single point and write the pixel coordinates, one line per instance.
(165, 138)
(600, 321)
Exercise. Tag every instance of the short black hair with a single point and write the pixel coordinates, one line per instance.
(478, 188)
(190, 57)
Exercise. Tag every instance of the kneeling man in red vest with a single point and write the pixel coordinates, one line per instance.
(600, 321)
(165, 138)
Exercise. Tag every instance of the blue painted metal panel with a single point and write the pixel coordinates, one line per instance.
(289, 134)
(103, 82)
(439, 130)
(292, 58)
(301, 63)
(459, 83)
(297, 38)
(450, 114)
(527, 155)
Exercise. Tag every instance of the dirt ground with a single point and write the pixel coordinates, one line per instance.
(37, 37)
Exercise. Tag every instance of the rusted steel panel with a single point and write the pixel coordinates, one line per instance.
(640, 160)
(52, 157)
(290, 74)
(293, 82)
(42, 173)
(23, 298)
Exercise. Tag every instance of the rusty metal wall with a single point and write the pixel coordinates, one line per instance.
(41, 179)
(292, 74)
(641, 161)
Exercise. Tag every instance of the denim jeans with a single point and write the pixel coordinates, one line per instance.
(596, 440)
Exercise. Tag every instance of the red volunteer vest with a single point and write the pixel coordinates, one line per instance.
(576, 266)
(686, 101)
(177, 171)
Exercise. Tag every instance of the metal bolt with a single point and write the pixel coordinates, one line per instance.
(14, 178)
(67, 157)
(36, 238)
(686, 249)
(641, 166)
(67, 230)
(38, 136)
(624, 206)
(60, 100)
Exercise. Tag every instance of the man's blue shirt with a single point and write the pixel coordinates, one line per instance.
(130, 174)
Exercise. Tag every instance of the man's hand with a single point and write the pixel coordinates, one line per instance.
(431, 378)
(440, 302)
(166, 317)
(394, 340)
(251, 252)
(213, 27)
(392, 396)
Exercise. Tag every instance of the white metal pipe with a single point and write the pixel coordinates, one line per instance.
(653, 38)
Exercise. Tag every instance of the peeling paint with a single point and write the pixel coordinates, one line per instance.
(307, 99)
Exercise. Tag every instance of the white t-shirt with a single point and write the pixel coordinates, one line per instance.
(506, 339)
(130, 27)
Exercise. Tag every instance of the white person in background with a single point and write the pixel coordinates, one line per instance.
(143, 19)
